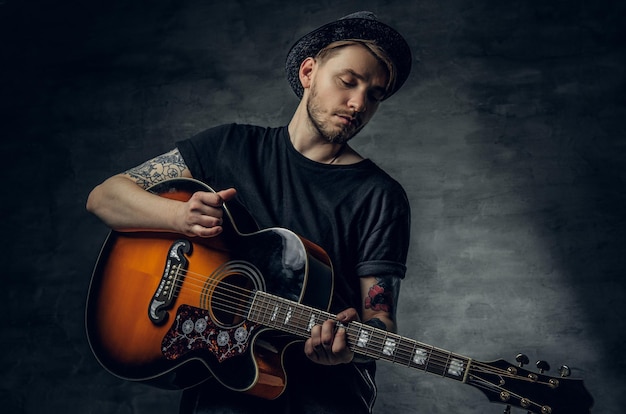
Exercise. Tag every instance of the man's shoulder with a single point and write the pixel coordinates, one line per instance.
(385, 181)
(384, 188)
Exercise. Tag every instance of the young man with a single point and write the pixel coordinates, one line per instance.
(304, 177)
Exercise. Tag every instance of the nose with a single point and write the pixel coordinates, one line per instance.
(358, 102)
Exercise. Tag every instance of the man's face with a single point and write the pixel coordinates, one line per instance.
(345, 92)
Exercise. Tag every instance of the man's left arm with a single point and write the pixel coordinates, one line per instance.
(379, 301)
(328, 345)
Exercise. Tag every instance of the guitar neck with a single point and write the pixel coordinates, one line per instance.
(297, 319)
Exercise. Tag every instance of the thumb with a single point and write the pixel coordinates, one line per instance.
(227, 194)
(348, 315)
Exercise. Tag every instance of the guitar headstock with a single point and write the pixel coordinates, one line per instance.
(534, 392)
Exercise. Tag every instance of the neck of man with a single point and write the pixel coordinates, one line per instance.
(307, 140)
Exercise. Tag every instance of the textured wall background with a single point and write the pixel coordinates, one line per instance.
(508, 137)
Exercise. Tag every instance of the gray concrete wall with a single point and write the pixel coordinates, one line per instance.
(508, 137)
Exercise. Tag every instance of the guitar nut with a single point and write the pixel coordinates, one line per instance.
(554, 383)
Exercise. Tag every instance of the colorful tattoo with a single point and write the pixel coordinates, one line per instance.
(382, 295)
(163, 167)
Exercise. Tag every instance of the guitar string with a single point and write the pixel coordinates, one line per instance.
(487, 369)
(227, 305)
(439, 358)
(513, 396)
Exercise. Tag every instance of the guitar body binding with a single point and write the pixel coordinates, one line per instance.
(171, 311)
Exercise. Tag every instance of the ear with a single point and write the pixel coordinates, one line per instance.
(306, 72)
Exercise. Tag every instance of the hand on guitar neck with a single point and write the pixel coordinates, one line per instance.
(328, 344)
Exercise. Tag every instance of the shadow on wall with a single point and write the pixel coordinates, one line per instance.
(550, 102)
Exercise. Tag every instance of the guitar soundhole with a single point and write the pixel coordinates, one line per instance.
(228, 292)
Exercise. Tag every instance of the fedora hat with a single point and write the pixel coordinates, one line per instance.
(363, 25)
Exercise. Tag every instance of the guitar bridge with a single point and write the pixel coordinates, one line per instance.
(173, 275)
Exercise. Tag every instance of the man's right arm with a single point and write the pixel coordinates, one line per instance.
(122, 203)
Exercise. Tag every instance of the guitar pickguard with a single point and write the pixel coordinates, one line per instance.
(193, 330)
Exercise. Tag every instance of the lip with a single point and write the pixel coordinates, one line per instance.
(348, 120)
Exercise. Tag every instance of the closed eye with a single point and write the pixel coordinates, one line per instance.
(347, 83)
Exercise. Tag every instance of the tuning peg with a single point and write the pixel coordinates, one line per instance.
(522, 359)
(507, 410)
(543, 366)
(564, 371)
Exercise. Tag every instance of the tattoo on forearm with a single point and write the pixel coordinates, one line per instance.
(376, 323)
(383, 295)
(163, 167)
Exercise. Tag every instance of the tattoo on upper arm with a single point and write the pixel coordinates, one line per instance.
(383, 295)
(163, 167)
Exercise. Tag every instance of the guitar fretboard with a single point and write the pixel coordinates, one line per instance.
(297, 319)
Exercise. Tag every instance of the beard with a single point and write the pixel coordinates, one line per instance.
(334, 134)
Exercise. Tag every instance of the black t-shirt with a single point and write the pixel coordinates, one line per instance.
(357, 213)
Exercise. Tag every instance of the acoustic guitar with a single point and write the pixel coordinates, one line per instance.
(173, 311)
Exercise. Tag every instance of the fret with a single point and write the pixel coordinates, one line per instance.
(358, 338)
(419, 356)
(274, 312)
(300, 317)
(251, 316)
(390, 346)
(429, 359)
(274, 315)
(403, 355)
(288, 313)
(437, 362)
(447, 365)
(284, 315)
(270, 312)
(254, 314)
(315, 318)
(370, 341)
(307, 321)
(458, 367)
(455, 368)
(311, 322)
(260, 310)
